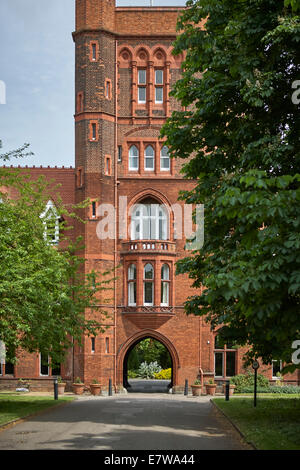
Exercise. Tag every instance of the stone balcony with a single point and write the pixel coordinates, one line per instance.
(149, 246)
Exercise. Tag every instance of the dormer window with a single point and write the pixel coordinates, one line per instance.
(51, 219)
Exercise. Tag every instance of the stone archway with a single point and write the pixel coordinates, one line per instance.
(135, 339)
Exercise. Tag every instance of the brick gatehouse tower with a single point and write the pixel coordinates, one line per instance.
(124, 73)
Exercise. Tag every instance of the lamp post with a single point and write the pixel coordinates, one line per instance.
(55, 383)
(255, 366)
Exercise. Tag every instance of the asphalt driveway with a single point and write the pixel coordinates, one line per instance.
(126, 422)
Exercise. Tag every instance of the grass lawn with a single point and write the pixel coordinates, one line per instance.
(273, 425)
(14, 406)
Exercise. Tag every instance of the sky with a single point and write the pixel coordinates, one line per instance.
(37, 74)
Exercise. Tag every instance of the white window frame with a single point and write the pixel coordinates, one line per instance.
(159, 85)
(274, 377)
(131, 284)
(40, 360)
(157, 82)
(49, 211)
(149, 218)
(142, 100)
(148, 281)
(159, 100)
(133, 168)
(165, 281)
(219, 352)
(142, 84)
(148, 157)
(164, 157)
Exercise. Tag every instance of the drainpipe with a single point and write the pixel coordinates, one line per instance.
(200, 350)
(116, 212)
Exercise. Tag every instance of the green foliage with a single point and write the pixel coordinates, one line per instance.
(210, 382)
(78, 381)
(18, 153)
(197, 382)
(238, 133)
(148, 371)
(44, 292)
(164, 374)
(131, 374)
(284, 389)
(272, 425)
(95, 381)
(246, 381)
(149, 350)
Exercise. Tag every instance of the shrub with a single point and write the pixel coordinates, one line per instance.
(132, 374)
(243, 381)
(284, 389)
(95, 381)
(164, 374)
(148, 371)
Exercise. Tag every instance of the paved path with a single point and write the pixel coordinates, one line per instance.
(148, 386)
(126, 422)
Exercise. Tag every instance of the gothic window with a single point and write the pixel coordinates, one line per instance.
(132, 285)
(149, 158)
(165, 285)
(133, 158)
(164, 159)
(148, 285)
(149, 221)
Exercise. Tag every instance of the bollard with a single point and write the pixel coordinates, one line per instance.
(255, 386)
(227, 390)
(109, 388)
(55, 389)
(186, 388)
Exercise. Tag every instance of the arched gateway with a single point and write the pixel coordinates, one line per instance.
(127, 347)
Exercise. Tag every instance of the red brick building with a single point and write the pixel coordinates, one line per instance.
(124, 72)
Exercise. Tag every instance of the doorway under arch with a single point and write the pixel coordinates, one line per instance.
(127, 349)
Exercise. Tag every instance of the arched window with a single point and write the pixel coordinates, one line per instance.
(149, 221)
(165, 285)
(50, 219)
(164, 159)
(149, 158)
(148, 284)
(133, 158)
(132, 284)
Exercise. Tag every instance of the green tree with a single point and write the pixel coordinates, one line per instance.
(43, 289)
(239, 133)
(149, 350)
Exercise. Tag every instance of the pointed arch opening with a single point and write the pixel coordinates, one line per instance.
(148, 367)
(128, 361)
